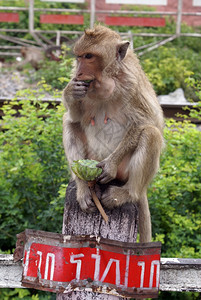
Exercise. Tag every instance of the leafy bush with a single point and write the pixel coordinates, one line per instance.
(179, 296)
(33, 170)
(17, 294)
(175, 194)
(169, 66)
(166, 71)
(54, 73)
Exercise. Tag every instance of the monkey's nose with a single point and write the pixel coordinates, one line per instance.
(79, 75)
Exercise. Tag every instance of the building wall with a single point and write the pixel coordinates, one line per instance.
(167, 5)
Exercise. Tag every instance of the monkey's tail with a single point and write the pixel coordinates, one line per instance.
(144, 220)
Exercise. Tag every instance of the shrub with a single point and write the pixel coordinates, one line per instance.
(176, 192)
(55, 73)
(165, 70)
(33, 170)
(17, 294)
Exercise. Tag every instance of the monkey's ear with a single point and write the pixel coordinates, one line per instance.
(121, 50)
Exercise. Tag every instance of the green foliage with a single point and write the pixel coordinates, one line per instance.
(195, 112)
(33, 170)
(55, 73)
(7, 294)
(175, 194)
(179, 296)
(166, 71)
(170, 65)
(189, 49)
(17, 294)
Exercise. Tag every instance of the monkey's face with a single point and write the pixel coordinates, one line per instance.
(89, 67)
(99, 54)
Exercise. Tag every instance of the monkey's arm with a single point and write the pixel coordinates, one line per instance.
(75, 147)
(73, 96)
(128, 145)
(74, 139)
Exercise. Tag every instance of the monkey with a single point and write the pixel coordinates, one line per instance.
(113, 116)
(32, 55)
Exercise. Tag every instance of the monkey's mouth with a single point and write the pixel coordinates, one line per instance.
(88, 81)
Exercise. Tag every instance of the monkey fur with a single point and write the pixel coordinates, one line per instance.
(32, 55)
(113, 116)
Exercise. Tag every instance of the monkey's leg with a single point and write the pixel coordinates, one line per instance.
(142, 167)
(114, 196)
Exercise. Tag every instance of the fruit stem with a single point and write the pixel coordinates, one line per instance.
(91, 185)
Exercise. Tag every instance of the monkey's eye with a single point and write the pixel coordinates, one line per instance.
(88, 55)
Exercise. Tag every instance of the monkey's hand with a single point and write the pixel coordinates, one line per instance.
(109, 170)
(84, 196)
(80, 88)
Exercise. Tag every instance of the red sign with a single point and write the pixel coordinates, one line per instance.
(9, 17)
(135, 21)
(62, 19)
(92, 263)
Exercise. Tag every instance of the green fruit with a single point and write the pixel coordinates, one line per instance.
(86, 169)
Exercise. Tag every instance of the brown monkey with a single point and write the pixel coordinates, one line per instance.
(31, 55)
(113, 116)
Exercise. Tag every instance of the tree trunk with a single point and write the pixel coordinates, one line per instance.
(122, 226)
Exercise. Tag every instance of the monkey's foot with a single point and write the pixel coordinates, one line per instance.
(114, 196)
(85, 200)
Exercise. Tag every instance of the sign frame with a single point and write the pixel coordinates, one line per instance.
(42, 250)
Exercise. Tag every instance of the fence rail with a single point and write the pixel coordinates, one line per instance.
(94, 13)
(176, 274)
(174, 111)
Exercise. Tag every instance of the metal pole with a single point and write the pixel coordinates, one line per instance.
(179, 17)
(31, 16)
(92, 13)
